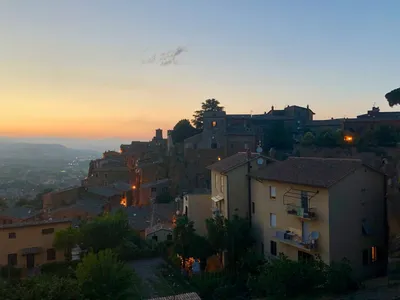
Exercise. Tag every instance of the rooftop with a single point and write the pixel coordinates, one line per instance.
(103, 191)
(37, 223)
(122, 186)
(310, 171)
(232, 162)
(18, 212)
(187, 296)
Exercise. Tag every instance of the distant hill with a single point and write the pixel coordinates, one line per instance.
(100, 145)
(28, 151)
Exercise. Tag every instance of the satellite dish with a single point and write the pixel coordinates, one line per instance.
(259, 149)
(260, 161)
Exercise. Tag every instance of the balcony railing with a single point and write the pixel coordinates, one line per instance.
(293, 239)
(300, 212)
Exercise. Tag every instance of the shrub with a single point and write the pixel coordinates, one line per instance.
(338, 278)
(61, 269)
(12, 272)
(41, 288)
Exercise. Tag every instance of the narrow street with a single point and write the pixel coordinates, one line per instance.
(146, 269)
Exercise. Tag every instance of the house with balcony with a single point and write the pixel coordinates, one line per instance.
(230, 192)
(333, 208)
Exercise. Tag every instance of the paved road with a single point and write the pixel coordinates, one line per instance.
(146, 270)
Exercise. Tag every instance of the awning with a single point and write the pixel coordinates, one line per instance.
(217, 198)
(31, 250)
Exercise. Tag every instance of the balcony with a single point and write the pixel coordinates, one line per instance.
(294, 239)
(301, 212)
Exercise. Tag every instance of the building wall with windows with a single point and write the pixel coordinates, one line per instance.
(273, 205)
(29, 245)
(345, 220)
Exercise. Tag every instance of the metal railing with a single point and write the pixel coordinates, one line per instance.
(301, 212)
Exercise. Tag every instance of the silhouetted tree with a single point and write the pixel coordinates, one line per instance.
(183, 130)
(308, 139)
(393, 97)
(208, 105)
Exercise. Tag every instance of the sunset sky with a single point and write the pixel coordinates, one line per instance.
(73, 68)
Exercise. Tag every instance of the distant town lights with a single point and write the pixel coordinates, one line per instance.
(219, 158)
(134, 187)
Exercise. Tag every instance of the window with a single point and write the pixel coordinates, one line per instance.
(165, 189)
(12, 235)
(97, 175)
(214, 123)
(155, 238)
(12, 259)
(169, 237)
(272, 220)
(365, 228)
(272, 192)
(273, 248)
(51, 254)
(48, 231)
(370, 256)
(246, 146)
(214, 145)
(253, 207)
(105, 175)
(374, 256)
(153, 189)
(222, 183)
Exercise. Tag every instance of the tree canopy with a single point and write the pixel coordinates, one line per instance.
(102, 276)
(183, 130)
(105, 232)
(208, 105)
(67, 239)
(393, 97)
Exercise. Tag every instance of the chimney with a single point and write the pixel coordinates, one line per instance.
(272, 107)
(308, 107)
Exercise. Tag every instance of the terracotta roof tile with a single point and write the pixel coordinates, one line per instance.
(311, 171)
(231, 162)
(187, 296)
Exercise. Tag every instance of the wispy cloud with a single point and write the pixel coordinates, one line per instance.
(166, 58)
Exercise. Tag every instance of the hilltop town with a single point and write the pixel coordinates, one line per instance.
(306, 188)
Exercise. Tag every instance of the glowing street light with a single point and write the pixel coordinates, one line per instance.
(348, 138)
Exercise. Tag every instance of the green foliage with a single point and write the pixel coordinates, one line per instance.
(284, 278)
(60, 269)
(105, 232)
(9, 271)
(208, 105)
(184, 233)
(232, 235)
(67, 239)
(41, 288)
(393, 97)
(102, 276)
(183, 130)
(278, 137)
(338, 278)
(329, 138)
(308, 139)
